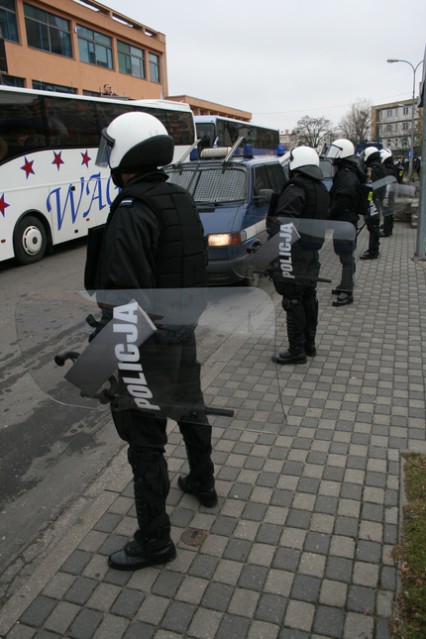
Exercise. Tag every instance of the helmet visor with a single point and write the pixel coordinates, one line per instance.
(335, 151)
(104, 151)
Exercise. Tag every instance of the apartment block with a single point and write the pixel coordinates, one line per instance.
(395, 123)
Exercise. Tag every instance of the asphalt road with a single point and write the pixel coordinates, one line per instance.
(49, 452)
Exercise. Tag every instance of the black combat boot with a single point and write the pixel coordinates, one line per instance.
(152, 544)
(144, 551)
(205, 492)
(369, 255)
(343, 299)
(296, 340)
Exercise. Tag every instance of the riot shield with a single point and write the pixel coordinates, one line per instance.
(396, 198)
(179, 354)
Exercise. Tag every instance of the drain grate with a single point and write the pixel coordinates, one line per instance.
(193, 536)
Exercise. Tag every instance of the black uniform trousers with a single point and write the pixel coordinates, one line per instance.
(173, 376)
(299, 295)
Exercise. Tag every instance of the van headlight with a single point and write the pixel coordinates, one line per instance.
(226, 239)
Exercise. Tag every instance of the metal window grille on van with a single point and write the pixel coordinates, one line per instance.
(217, 184)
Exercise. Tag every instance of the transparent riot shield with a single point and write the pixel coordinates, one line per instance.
(397, 197)
(185, 354)
(179, 354)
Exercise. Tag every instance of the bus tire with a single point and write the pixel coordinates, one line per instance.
(29, 240)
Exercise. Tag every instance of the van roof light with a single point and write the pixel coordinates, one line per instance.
(248, 152)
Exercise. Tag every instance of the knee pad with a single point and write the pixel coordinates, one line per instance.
(291, 304)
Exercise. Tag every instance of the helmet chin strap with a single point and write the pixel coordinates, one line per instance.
(117, 178)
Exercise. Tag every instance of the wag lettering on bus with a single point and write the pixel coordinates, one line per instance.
(78, 200)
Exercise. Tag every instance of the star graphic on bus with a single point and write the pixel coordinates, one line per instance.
(58, 160)
(86, 158)
(3, 205)
(28, 167)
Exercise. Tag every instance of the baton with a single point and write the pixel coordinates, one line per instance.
(359, 230)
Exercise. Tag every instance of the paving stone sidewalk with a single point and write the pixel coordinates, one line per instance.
(300, 544)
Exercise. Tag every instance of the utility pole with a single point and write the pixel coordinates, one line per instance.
(414, 69)
(421, 218)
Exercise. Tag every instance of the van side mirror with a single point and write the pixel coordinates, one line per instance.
(263, 196)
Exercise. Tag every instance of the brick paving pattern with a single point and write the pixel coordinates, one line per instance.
(300, 544)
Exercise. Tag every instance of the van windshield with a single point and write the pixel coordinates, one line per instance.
(209, 184)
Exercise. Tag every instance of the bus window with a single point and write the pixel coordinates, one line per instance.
(50, 189)
(215, 130)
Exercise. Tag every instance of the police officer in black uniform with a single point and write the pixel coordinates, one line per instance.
(375, 171)
(386, 229)
(348, 200)
(295, 273)
(153, 239)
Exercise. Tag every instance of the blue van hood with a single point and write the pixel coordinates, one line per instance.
(222, 219)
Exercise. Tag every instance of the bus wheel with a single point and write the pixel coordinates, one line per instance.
(29, 240)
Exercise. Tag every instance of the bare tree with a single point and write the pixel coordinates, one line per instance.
(312, 131)
(355, 125)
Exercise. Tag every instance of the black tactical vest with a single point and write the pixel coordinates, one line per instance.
(317, 202)
(181, 258)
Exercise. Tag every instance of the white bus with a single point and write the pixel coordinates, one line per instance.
(50, 189)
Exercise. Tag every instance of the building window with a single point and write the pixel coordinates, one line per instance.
(46, 86)
(405, 125)
(95, 48)
(130, 60)
(8, 25)
(12, 81)
(405, 110)
(154, 67)
(389, 113)
(47, 32)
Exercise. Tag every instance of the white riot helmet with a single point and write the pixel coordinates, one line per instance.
(370, 151)
(306, 160)
(134, 140)
(340, 149)
(385, 154)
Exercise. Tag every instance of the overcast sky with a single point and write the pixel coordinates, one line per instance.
(283, 59)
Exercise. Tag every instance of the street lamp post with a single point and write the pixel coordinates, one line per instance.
(414, 68)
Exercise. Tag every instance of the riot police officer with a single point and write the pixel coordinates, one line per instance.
(375, 171)
(153, 239)
(386, 229)
(347, 203)
(295, 273)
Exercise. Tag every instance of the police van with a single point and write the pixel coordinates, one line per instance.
(232, 191)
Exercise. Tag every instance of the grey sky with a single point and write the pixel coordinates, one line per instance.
(283, 59)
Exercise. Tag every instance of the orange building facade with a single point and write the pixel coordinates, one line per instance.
(203, 107)
(78, 47)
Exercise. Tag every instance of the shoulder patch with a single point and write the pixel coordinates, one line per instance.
(127, 202)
